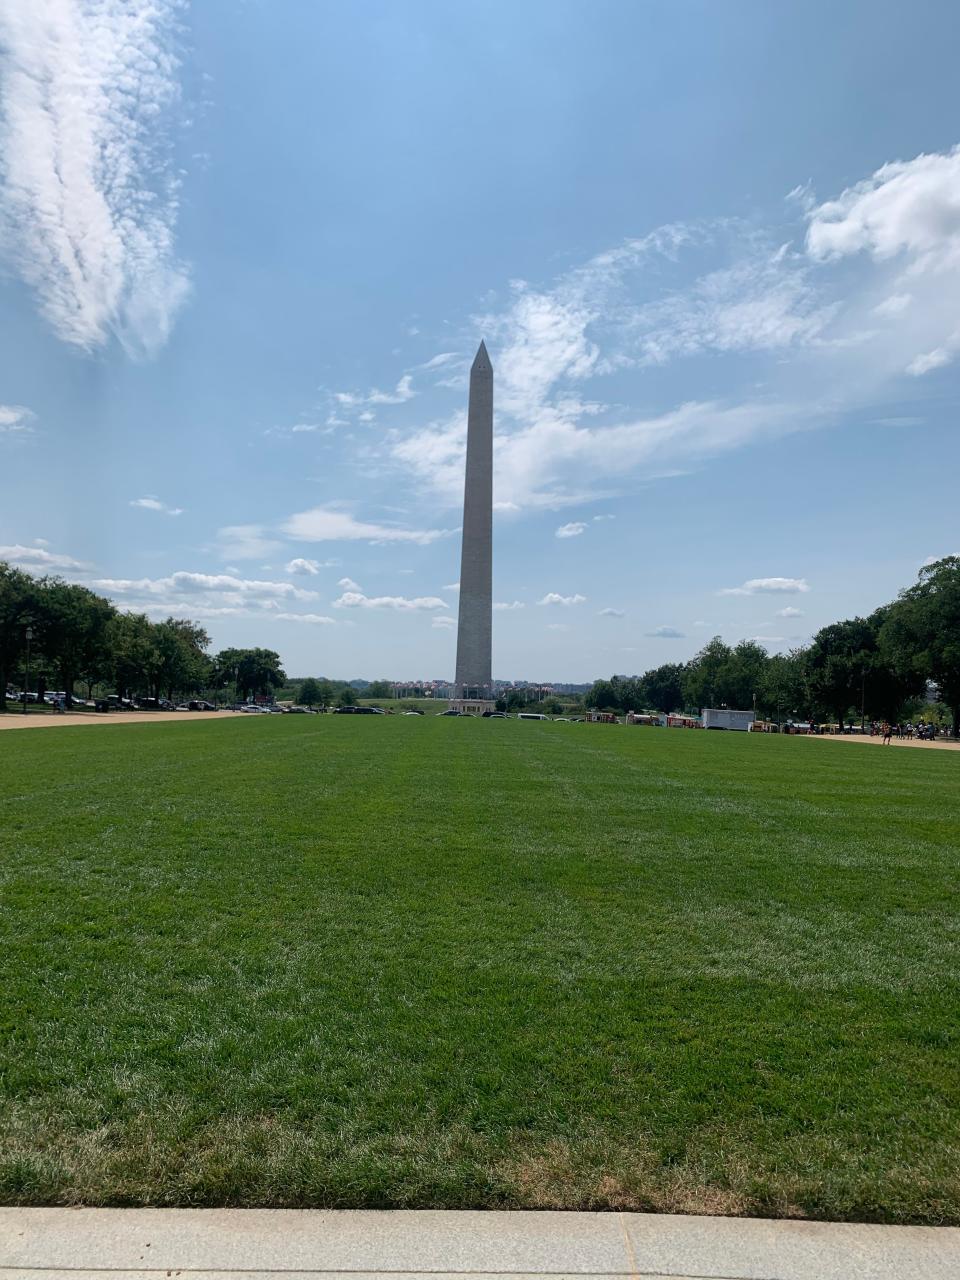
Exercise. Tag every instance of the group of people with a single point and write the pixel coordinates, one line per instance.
(922, 731)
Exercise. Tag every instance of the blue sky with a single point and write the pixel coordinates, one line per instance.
(250, 249)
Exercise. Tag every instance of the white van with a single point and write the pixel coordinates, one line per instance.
(531, 715)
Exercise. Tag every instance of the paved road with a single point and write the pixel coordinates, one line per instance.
(201, 1244)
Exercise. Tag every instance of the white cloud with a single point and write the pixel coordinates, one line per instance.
(767, 586)
(313, 619)
(151, 503)
(612, 613)
(320, 524)
(571, 530)
(789, 612)
(184, 583)
(402, 392)
(37, 559)
(348, 584)
(553, 598)
(504, 606)
(666, 633)
(444, 620)
(302, 566)
(90, 203)
(893, 305)
(451, 586)
(833, 339)
(557, 626)
(438, 362)
(357, 600)
(929, 361)
(15, 418)
(910, 207)
(766, 639)
(604, 517)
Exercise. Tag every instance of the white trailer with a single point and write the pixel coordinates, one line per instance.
(722, 718)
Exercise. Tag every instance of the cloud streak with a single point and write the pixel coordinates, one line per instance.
(152, 503)
(90, 203)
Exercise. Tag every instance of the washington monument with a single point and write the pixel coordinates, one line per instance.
(473, 681)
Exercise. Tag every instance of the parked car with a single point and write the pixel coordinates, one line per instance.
(450, 713)
(251, 708)
(345, 711)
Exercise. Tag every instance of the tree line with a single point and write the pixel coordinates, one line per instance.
(873, 666)
(72, 636)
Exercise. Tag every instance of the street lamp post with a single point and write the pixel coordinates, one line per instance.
(28, 636)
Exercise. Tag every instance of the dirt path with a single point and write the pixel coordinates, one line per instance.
(17, 720)
(938, 744)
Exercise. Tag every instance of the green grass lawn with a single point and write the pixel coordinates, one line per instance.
(359, 961)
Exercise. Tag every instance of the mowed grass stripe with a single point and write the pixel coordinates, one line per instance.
(398, 961)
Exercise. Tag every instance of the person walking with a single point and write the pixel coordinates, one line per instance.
(887, 733)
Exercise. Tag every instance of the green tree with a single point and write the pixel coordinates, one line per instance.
(379, 689)
(179, 663)
(252, 671)
(920, 632)
(662, 688)
(782, 689)
(310, 692)
(347, 697)
(19, 608)
(131, 653)
(703, 682)
(74, 631)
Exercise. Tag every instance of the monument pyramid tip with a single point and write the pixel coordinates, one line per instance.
(481, 357)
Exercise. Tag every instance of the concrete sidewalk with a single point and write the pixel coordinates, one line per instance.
(205, 1243)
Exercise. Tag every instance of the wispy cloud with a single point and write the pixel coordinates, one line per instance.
(357, 600)
(789, 612)
(571, 530)
(348, 584)
(322, 524)
(767, 586)
(505, 606)
(402, 392)
(833, 337)
(445, 620)
(666, 633)
(929, 361)
(15, 419)
(90, 201)
(246, 542)
(152, 503)
(612, 613)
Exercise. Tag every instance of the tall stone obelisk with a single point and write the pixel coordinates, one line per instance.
(473, 678)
